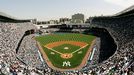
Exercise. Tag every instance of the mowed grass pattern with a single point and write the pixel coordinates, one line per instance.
(55, 59)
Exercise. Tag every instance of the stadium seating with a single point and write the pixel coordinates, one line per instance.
(121, 29)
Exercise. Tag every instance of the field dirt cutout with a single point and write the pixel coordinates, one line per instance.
(76, 43)
(66, 55)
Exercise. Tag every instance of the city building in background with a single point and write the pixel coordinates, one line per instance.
(53, 21)
(77, 18)
(64, 20)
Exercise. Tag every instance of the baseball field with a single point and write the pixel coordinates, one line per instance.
(65, 50)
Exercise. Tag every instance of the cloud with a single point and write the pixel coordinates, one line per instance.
(122, 3)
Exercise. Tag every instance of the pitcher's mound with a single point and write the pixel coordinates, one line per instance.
(66, 48)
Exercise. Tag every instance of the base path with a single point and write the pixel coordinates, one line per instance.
(84, 61)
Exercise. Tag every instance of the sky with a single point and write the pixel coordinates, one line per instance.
(54, 9)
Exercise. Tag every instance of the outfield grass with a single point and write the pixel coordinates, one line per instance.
(55, 59)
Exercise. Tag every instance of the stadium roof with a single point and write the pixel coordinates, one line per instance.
(128, 11)
(7, 18)
(6, 15)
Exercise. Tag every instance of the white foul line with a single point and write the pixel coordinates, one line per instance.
(79, 49)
